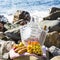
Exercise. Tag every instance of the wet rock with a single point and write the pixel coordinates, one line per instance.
(54, 9)
(3, 19)
(52, 25)
(50, 55)
(10, 26)
(13, 32)
(53, 39)
(56, 58)
(54, 14)
(1, 35)
(15, 36)
(21, 17)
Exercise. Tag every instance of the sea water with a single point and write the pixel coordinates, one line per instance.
(37, 8)
(9, 6)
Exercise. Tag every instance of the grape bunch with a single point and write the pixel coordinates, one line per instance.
(34, 47)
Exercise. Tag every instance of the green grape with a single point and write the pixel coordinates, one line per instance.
(37, 49)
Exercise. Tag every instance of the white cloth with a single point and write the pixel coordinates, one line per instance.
(5, 47)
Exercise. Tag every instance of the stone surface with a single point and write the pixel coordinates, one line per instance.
(54, 14)
(5, 47)
(54, 50)
(53, 25)
(15, 36)
(21, 17)
(1, 35)
(3, 18)
(56, 58)
(53, 39)
(54, 9)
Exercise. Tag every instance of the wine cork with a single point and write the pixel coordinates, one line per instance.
(45, 27)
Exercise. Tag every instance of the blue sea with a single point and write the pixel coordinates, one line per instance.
(10, 6)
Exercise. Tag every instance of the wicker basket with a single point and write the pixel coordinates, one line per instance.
(29, 58)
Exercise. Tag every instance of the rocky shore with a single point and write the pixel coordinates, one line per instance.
(21, 18)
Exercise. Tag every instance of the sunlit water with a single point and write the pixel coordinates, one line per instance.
(38, 8)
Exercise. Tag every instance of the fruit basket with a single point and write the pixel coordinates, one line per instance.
(29, 58)
(31, 47)
(35, 52)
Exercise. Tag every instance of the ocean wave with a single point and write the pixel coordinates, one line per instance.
(29, 5)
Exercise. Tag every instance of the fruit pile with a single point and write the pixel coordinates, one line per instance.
(33, 47)
(20, 48)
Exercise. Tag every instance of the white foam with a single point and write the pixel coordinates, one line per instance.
(38, 15)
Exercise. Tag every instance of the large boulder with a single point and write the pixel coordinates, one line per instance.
(54, 51)
(21, 17)
(52, 25)
(54, 14)
(53, 39)
(1, 35)
(5, 47)
(3, 19)
(54, 9)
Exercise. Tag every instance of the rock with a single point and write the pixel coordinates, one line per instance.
(5, 47)
(54, 50)
(10, 26)
(2, 28)
(6, 56)
(54, 14)
(21, 17)
(56, 58)
(1, 35)
(50, 55)
(13, 32)
(52, 25)
(3, 19)
(15, 36)
(53, 39)
(54, 9)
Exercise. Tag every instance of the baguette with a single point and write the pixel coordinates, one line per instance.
(19, 48)
(22, 51)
